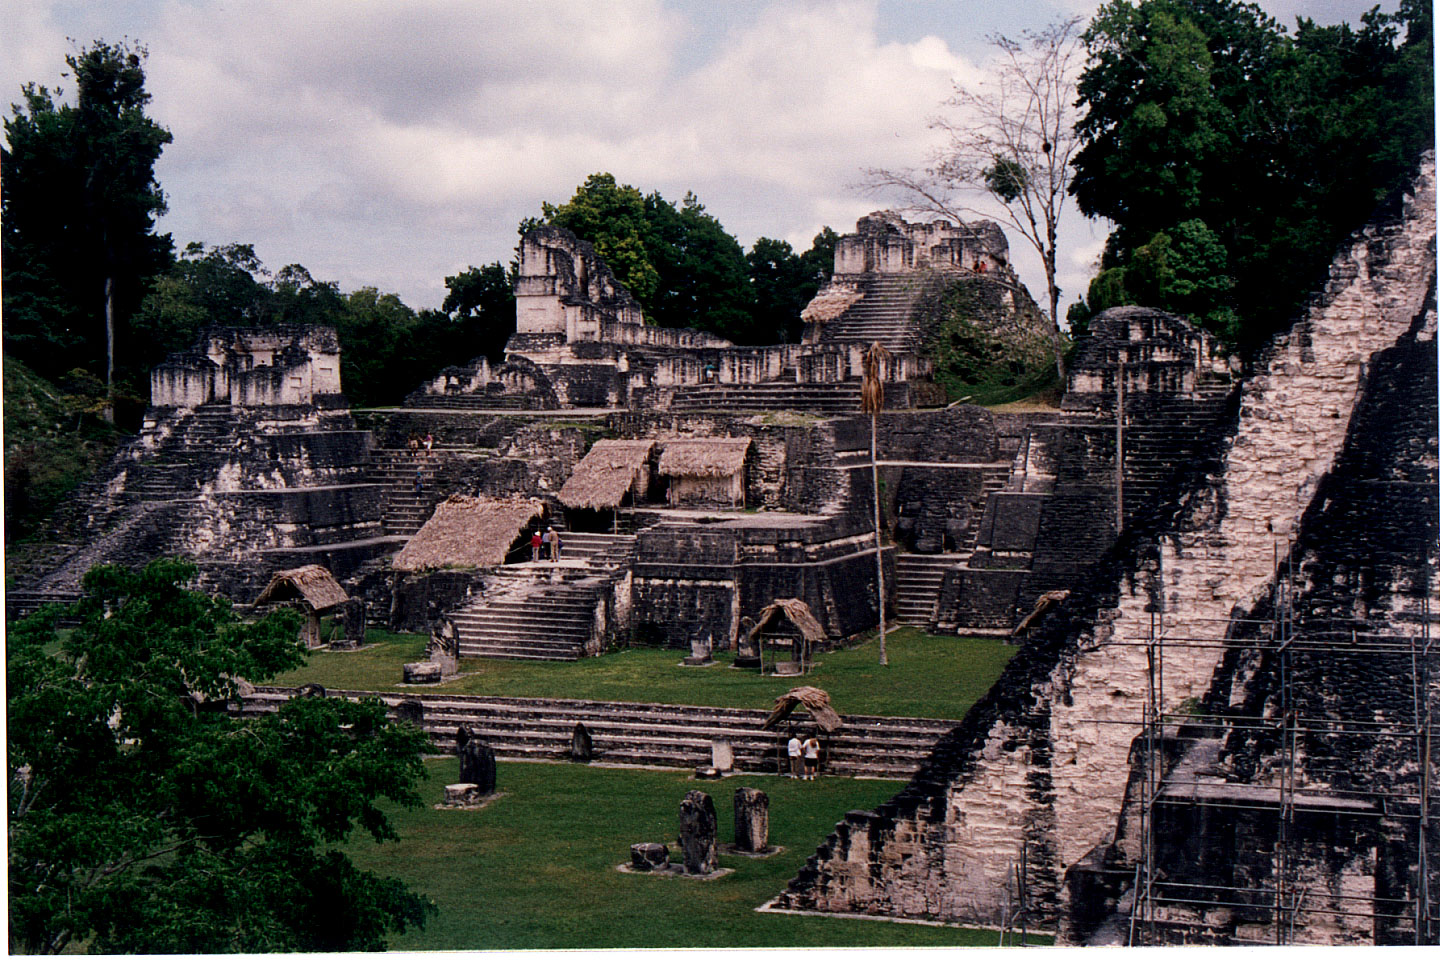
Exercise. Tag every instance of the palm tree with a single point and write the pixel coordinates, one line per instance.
(872, 401)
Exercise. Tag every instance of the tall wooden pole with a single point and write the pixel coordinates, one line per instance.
(872, 401)
(1120, 446)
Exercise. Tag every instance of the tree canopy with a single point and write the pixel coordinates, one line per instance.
(685, 269)
(146, 819)
(1233, 155)
(80, 200)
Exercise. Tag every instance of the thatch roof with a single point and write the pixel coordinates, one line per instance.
(607, 473)
(1042, 606)
(311, 583)
(468, 532)
(830, 303)
(710, 457)
(814, 700)
(798, 612)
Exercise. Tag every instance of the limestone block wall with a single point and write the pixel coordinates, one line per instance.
(1044, 759)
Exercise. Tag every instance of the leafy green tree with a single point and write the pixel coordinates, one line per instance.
(1208, 113)
(678, 262)
(480, 303)
(80, 201)
(785, 281)
(146, 819)
(204, 287)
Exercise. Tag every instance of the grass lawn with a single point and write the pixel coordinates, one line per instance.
(536, 868)
(927, 676)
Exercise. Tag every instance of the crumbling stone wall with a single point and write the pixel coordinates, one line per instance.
(1044, 759)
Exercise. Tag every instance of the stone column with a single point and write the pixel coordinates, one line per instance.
(752, 820)
(477, 765)
(697, 833)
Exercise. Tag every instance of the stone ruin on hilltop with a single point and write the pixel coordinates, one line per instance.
(1209, 732)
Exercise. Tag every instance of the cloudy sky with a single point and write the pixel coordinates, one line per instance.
(391, 143)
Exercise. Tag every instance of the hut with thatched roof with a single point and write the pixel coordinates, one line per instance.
(310, 588)
(612, 472)
(815, 701)
(786, 626)
(468, 532)
(707, 472)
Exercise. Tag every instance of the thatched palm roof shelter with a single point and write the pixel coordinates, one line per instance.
(311, 584)
(468, 532)
(710, 457)
(797, 612)
(814, 700)
(609, 471)
(316, 590)
(830, 304)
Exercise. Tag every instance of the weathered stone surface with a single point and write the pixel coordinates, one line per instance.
(477, 761)
(649, 856)
(425, 671)
(722, 755)
(444, 646)
(697, 833)
(752, 820)
(410, 710)
(582, 749)
(1043, 766)
(352, 618)
(463, 794)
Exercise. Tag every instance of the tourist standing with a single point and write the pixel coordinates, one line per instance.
(812, 758)
(793, 749)
(536, 543)
(554, 545)
(429, 443)
(545, 540)
(419, 480)
(413, 445)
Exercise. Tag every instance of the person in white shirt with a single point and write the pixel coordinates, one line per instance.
(812, 758)
(793, 748)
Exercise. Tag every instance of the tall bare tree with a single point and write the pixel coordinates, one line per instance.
(1010, 142)
(872, 401)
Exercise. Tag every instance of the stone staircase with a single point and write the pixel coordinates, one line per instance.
(883, 314)
(1167, 438)
(918, 577)
(836, 398)
(653, 734)
(545, 611)
(21, 603)
(405, 510)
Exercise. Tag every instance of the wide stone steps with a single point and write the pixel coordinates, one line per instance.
(918, 578)
(21, 603)
(649, 734)
(825, 398)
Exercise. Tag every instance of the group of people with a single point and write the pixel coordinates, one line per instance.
(546, 544)
(804, 758)
(414, 444)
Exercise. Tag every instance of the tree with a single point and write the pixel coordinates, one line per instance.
(481, 301)
(785, 281)
(1012, 144)
(80, 203)
(679, 263)
(1251, 150)
(145, 819)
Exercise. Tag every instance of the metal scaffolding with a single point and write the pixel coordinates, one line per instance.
(1284, 899)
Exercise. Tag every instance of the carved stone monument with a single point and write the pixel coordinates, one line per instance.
(444, 647)
(699, 652)
(752, 820)
(697, 833)
(410, 710)
(352, 615)
(477, 761)
(722, 755)
(582, 750)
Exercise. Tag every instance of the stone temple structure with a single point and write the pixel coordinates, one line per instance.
(1221, 581)
(1223, 733)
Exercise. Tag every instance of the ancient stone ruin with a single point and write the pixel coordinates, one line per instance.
(1220, 736)
(1220, 580)
(697, 833)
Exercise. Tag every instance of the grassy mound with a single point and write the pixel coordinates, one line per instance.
(927, 676)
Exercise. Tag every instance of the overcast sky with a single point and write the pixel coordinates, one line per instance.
(389, 144)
